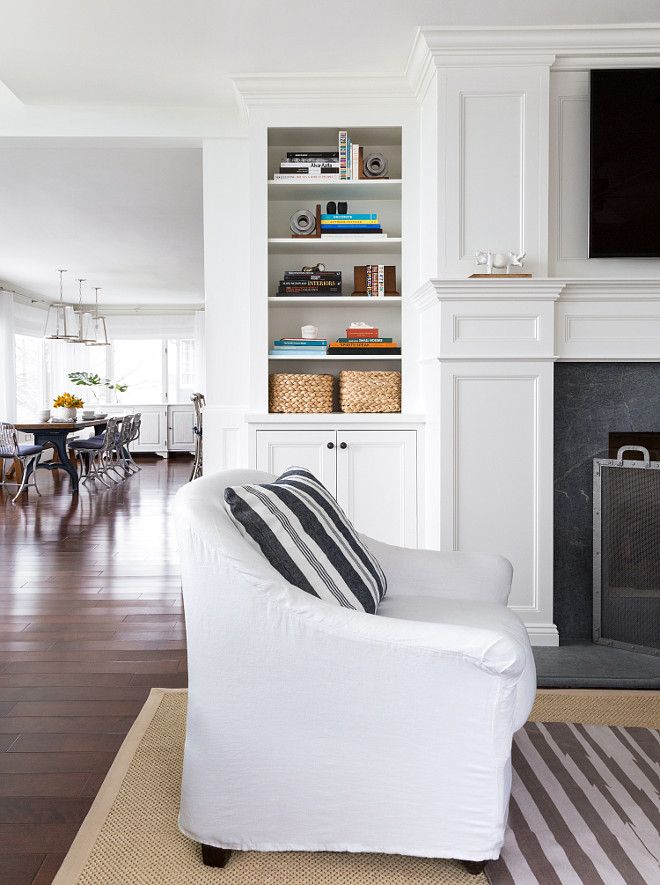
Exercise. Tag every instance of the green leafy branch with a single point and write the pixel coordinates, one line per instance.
(89, 379)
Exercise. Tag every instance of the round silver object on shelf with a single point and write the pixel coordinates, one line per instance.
(303, 222)
(374, 166)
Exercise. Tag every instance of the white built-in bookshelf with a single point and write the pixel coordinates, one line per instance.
(333, 314)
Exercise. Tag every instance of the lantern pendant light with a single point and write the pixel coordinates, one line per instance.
(61, 319)
(100, 331)
(86, 334)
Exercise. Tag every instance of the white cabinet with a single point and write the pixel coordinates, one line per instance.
(372, 473)
(180, 421)
(163, 428)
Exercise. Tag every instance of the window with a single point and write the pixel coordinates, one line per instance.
(180, 369)
(155, 370)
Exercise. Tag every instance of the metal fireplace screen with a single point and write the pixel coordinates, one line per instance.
(627, 552)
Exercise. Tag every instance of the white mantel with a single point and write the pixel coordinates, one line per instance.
(487, 348)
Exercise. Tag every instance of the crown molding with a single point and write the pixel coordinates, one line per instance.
(311, 90)
(577, 47)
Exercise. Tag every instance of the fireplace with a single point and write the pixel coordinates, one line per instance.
(599, 407)
(626, 550)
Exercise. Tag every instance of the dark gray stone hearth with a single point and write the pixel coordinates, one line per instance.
(591, 401)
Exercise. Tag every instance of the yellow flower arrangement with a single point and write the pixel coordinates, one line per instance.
(68, 401)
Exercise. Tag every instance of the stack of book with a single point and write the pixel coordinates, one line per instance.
(365, 342)
(365, 225)
(350, 158)
(300, 283)
(309, 165)
(375, 280)
(299, 347)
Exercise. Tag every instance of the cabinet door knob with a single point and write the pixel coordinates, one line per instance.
(331, 445)
(343, 445)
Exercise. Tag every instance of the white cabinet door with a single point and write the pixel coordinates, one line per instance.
(153, 430)
(372, 473)
(377, 483)
(180, 420)
(313, 449)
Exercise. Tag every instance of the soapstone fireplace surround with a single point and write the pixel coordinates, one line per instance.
(523, 380)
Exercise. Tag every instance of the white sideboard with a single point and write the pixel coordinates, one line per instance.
(163, 428)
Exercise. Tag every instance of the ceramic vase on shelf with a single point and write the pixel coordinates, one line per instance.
(65, 414)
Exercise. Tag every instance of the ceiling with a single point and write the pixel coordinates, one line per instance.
(126, 214)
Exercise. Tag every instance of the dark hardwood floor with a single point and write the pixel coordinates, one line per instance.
(90, 620)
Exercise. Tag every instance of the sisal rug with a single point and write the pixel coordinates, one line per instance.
(130, 836)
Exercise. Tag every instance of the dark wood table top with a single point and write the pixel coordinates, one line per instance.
(31, 426)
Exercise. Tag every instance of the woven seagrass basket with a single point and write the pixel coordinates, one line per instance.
(370, 391)
(300, 393)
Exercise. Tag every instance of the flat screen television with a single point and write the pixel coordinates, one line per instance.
(624, 193)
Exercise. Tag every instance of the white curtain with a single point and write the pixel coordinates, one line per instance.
(200, 352)
(7, 368)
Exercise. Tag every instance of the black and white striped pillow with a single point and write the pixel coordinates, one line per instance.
(305, 535)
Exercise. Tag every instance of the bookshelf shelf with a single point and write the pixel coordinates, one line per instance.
(338, 301)
(290, 245)
(332, 315)
(364, 189)
(342, 357)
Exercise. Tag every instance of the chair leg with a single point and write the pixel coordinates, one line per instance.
(474, 867)
(29, 462)
(215, 857)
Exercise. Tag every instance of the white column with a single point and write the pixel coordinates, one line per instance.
(227, 293)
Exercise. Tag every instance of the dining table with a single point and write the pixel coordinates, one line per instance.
(55, 434)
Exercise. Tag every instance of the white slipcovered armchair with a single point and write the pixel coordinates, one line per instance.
(315, 727)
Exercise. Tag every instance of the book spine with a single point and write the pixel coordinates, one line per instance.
(365, 235)
(385, 351)
(356, 222)
(343, 145)
(309, 284)
(355, 153)
(302, 290)
(351, 231)
(370, 285)
(381, 280)
(312, 275)
(361, 333)
(299, 176)
(354, 342)
(309, 168)
(288, 351)
(301, 342)
(365, 216)
(364, 340)
(309, 293)
(312, 155)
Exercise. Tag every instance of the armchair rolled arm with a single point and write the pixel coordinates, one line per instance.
(482, 577)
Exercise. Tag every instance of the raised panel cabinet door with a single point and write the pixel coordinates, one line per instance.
(313, 449)
(153, 430)
(180, 428)
(377, 483)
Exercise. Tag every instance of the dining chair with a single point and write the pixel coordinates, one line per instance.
(135, 433)
(95, 455)
(119, 449)
(27, 454)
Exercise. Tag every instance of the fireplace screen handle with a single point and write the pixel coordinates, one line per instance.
(645, 452)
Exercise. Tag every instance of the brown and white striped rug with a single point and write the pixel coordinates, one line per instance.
(585, 807)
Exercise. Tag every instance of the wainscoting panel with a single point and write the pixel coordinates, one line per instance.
(495, 125)
(496, 461)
